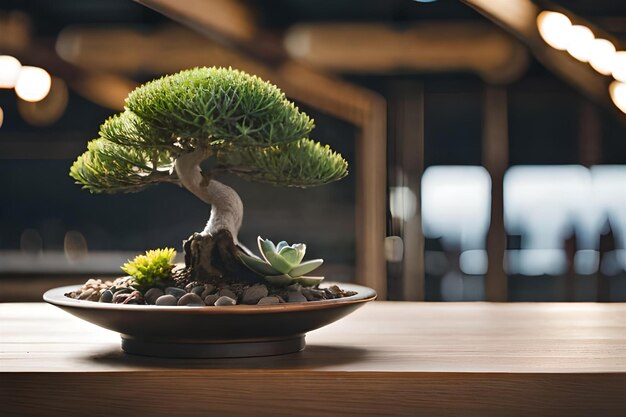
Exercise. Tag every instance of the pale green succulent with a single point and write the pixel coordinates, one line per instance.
(282, 264)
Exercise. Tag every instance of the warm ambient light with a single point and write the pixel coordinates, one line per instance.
(9, 70)
(554, 29)
(580, 41)
(48, 110)
(33, 84)
(602, 56)
(618, 94)
(1, 116)
(619, 66)
(557, 31)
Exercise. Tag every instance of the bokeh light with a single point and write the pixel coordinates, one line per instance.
(33, 84)
(580, 42)
(554, 29)
(9, 71)
(619, 66)
(47, 111)
(617, 90)
(602, 56)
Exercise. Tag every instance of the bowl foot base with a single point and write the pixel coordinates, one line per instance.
(213, 350)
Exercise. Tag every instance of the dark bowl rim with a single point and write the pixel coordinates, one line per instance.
(56, 296)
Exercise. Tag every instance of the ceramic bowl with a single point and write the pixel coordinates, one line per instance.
(212, 332)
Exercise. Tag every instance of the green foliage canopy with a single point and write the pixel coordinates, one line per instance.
(246, 123)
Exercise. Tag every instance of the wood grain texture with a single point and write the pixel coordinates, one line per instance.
(431, 359)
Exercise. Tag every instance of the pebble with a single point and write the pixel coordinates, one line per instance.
(211, 299)
(166, 300)
(86, 294)
(225, 301)
(296, 297)
(152, 295)
(176, 292)
(269, 300)
(335, 290)
(198, 290)
(134, 297)
(190, 299)
(208, 289)
(106, 296)
(312, 295)
(253, 294)
(120, 296)
(225, 292)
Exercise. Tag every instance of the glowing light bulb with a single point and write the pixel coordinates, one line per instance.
(33, 84)
(602, 56)
(9, 70)
(618, 94)
(1, 116)
(619, 66)
(554, 29)
(580, 42)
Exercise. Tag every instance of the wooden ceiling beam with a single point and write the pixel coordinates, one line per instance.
(382, 48)
(91, 49)
(230, 19)
(519, 17)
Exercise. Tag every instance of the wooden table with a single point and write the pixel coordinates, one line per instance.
(409, 359)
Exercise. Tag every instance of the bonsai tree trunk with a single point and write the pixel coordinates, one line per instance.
(212, 253)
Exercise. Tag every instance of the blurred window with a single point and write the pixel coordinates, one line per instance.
(544, 205)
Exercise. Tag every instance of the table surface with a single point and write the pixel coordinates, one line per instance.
(388, 357)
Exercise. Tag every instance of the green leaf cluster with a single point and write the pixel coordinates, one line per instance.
(221, 105)
(109, 167)
(247, 123)
(148, 269)
(303, 163)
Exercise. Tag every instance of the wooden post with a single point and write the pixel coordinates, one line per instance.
(407, 115)
(495, 160)
(370, 201)
(589, 153)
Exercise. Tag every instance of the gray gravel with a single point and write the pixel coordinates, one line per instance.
(106, 296)
(176, 292)
(225, 301)
(269, 300)
(211, 299)
(208, 290)
(152, 295)
(253, 294)
(296, 297)
(166, 300)
(225, 292)
(197, 289)
(190, 299)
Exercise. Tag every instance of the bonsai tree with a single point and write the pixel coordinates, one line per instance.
(245, 125)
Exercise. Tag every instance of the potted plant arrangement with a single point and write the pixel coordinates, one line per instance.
(242, 304)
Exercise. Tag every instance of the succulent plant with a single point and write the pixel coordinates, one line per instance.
(146, 270)
(282, 264)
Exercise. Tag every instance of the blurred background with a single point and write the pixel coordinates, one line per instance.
(486, 139)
